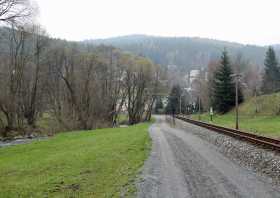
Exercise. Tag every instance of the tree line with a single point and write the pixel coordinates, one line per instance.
(219, 89)
(79, 86)
(185, 52)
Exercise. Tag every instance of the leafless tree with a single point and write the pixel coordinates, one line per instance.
(79, 87)
(138, 77)
(14, 11)
(34, 81)
(14, 75)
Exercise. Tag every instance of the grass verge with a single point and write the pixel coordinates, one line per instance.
(263, 125)
(100, 163)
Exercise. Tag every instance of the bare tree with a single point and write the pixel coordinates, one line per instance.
(34, 74)
(13, 80)
(79, 87)
(13, 11)
(86, 89)
(138, 77)
(153, 91)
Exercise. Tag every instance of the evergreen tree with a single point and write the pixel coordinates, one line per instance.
(271, 73)
(159, 105)
(224, 86)
(173, 105)
(196, 106)
(185, 99)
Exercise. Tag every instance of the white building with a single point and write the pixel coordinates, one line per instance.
(194, 74)
(172, 67)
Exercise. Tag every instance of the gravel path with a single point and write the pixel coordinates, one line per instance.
(182, 164)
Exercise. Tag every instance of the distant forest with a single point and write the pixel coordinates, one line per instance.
(185, 52)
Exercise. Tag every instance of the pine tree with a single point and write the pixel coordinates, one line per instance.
(159, 105)
(271, 75)
(224, 86)
(173, 105)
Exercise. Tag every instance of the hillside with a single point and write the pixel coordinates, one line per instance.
(266, 121)
(185, 52)
(266, 105)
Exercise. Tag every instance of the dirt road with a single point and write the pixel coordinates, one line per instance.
(183, 165)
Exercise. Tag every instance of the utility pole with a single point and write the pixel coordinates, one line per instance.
(256, 101)
(236, 104)
(180, 108)
(199, 97)
(199, 107)
(237, 79)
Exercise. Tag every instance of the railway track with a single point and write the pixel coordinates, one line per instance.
(256, 139)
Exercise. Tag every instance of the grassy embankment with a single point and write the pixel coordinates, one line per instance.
(100, 163)
(266, 121)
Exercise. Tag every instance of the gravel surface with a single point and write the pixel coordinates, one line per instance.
(186, 163)
(262, 161)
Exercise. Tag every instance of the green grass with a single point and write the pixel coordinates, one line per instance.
(265, 121)
(101, 163)
(263, 125)
(267, 105)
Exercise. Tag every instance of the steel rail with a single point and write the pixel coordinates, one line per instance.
(256, 139)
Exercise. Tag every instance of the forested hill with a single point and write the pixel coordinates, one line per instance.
(185, 52)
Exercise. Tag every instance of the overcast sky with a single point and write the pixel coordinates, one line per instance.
(245, 21)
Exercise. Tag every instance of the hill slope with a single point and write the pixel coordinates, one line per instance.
(266, 121)
(185, 52)
(265, 105)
